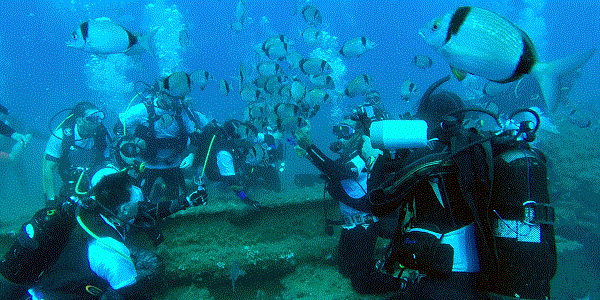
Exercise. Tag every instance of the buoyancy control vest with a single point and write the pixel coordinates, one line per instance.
(71, 171)
(502, 186)
(153, 143)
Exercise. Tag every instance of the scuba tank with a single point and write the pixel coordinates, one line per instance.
(522, 220)
(38, 244)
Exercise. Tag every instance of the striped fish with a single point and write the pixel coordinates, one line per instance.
(102, 36)
(480, 42)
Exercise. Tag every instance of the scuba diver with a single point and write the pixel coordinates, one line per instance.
(261, 160)
(224, 152)
(475, 219)
(77, 148)
(157, 132)
(79, 249)
(346, 180)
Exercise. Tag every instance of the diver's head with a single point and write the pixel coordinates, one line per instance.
(177, 84)
(349, 133)
(434, 108)
(115, 193)
(87, 117)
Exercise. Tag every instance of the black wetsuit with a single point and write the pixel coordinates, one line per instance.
(6, 130)
(356, 245)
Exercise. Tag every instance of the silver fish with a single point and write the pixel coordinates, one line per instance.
(422, 61)
(480, 42)
(268, 68)
(293, 58)
(311, 35)
(311, 15)
(277, 51)
(317, 97)
(279, 38)
(408, 89)
(201, 78)
(102, 36)
(322, 81)
(184, 39)
(315, 66)
(357, 46)
(360, 85)
(224, 87)
(298, 90)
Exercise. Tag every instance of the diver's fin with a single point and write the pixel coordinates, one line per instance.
(547, 74)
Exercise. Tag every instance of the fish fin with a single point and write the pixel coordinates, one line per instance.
(146, 40)
(459, 74)
(548, 74)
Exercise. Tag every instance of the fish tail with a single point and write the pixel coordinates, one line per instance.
(147, 40)
(547, 74)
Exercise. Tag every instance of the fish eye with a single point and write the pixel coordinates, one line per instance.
(74, 35)
(436, 25)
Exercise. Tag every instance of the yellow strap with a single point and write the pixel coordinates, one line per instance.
(207, 153)
(96, 237)
(63, 121)
(77, 185)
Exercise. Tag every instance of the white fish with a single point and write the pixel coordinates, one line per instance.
(237, 26)
(357, 46)
(102, 36)
(293, 58)
(201, 78)
(250, 95)
(277, 51)
(317, 97)
(311, 15)
(315, 66)
(408, 89)
(224, 87)
(422, 61)
(483, 43)
(275, 39)
(298, 90)
(360, 85)
(311, 35)
(322, 81)
(268, 68)
(240, 11)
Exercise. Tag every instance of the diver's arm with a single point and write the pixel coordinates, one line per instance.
(164, 209)
(48, 168)
(6, 130)
(327, 166)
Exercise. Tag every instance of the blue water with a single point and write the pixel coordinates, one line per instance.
(40, 75)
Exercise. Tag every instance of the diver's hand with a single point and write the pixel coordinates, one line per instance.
(20, 138)
(187, 162)
(300, 151)
(302, 136)
(198, 197)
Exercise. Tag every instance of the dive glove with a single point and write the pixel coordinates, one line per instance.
(198, 197)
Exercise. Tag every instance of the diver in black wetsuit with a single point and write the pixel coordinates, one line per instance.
(346, 183)
(79, 249)
(476, 221)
